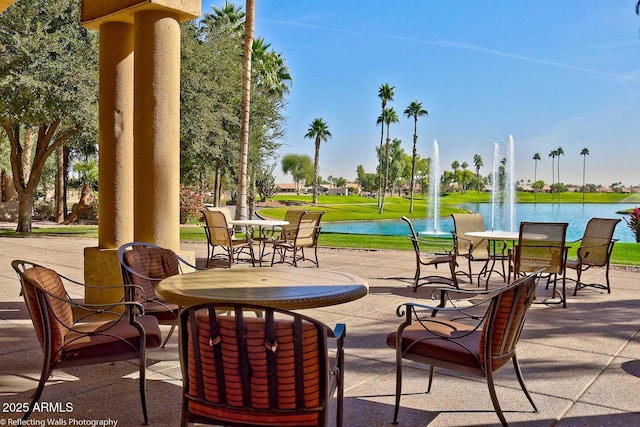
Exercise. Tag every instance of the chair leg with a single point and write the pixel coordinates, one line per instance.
(398, 385)
(494, 398)
(44, 376)
(432, 369)
(452, 269)
(143, 383)
(578, 274)
(516, 365)
(173, 328)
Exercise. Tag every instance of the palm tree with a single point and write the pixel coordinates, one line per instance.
(319, 131)
(388, 116)
(272, 74)
(559, 152)
(477, 162)
(414, 110)
(584, 153)
(229, 15)
(552, 154)
(536, 159)
(241, 202)
(385, 93)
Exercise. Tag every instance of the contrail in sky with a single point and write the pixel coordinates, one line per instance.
(462, 46)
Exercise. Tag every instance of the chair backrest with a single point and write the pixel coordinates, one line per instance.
(217, 228)
(464, 223)
(225, 211)
(504, 321)
(46, 297)
(413, 236)
(597, 241)
(293, 217)
(541, 245)
(145, 265)
(246, 370)
(308, 229)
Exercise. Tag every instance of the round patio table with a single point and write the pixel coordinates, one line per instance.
(289, 288)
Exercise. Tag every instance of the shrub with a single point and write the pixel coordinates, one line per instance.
(191, 203)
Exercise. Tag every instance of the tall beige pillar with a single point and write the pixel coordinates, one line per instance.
(5, 4)
(139, 130)
(157, 128)
(116, 135)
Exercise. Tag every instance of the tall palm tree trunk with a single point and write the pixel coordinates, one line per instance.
(413, 163)
(386, 172)
(316, 160)
(380, 165)
(241, 203)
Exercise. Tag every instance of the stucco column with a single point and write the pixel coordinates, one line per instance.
(116, 135)
(157, 128)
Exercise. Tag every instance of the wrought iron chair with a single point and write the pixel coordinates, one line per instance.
(292, 216)
(304, 236)
(541, 245)
(270, 371)
(447, 258)
(100, 333)
(145, 265)
(595, 250)
(219, 234)
(457, 340)
(471, 248)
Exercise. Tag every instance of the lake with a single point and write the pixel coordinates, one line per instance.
(576, 214)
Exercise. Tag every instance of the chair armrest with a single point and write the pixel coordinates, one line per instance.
(408, 307)
(468, 244)
(340, 331)
(585, 248)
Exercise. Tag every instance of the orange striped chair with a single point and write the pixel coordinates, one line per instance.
(470, 339)
(145, 265)
(269, 371)
(77, 334)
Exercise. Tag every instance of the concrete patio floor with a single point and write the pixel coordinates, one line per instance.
(582, 363)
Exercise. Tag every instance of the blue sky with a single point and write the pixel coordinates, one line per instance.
(551, 73)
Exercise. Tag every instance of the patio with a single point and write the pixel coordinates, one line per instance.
(582, 363)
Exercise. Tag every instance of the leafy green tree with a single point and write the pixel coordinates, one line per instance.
(300, 166)
(387, 117)
(88, 172)
(367, 181)
(386, 94)
(399, 165)
(414, 110)
(48, 81)
(266, 182)
(584, 153)
(318, 131)
(211, 88)
(341, 182)
(477, 162)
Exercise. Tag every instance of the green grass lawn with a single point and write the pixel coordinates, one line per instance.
(356, 208)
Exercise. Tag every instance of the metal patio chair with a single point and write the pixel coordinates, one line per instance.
(453, 338)
(99, 333)
(270, 371)
(472, 249)
(145, 265)
(447, 258)
(595, 250)
(541, 245)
